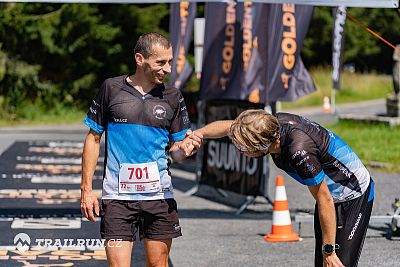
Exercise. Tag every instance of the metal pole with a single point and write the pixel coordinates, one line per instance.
(333, 101)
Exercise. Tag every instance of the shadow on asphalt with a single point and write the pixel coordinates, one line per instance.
(183, 185)
(223, 215)
(260, 208)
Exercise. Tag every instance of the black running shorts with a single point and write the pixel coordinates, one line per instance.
(155, 219)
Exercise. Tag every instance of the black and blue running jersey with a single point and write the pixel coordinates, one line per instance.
(138, 130)
(310, 153)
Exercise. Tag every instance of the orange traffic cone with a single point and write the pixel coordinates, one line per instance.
(281, 223)
(327, 105)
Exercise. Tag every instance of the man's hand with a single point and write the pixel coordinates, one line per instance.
(90, 155)
(89, 205)
(191, 144)
(332, 260)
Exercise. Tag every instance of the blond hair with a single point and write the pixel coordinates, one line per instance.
(254, 129)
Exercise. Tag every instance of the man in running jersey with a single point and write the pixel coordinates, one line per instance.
(316, 157)
(145, 124)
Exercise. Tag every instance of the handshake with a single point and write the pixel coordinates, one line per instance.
(194, 139)
(192, 143)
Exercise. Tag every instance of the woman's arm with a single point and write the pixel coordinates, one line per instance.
(216, 129)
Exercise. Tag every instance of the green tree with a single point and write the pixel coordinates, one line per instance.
(362, 48)
(60, 53)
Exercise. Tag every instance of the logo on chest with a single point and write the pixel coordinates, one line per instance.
(159, 112)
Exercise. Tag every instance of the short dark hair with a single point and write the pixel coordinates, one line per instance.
(147, 41)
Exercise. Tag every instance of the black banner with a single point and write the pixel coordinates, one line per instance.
(339, 15)
(235, 48)
(223, 166)
(182, 17)
(287, 77)
(255, 42)
(251, 45)
(222, 65)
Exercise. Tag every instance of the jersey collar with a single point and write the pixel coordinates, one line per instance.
(157, 91)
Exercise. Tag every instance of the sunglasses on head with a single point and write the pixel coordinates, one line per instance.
(255, 149)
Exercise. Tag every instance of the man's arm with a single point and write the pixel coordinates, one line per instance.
(91, 149)
(327, 217)
(216, 129)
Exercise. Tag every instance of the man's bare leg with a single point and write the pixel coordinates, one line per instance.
(119, 253)
(157, 252)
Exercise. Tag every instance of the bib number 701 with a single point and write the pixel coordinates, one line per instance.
(138, 173)
(139, 178)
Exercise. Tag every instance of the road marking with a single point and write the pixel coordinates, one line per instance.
(46, 223)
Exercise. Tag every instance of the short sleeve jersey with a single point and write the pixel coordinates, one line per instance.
(310, 153)
(138, 130)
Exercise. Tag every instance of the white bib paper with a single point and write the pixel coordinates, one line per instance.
(139, 178)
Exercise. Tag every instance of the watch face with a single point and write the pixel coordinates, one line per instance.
(328, 248)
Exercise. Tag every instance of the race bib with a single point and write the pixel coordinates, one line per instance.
(139, 178)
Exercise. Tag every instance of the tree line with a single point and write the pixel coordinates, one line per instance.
(60, 53)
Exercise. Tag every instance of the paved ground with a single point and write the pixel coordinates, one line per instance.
(213, 235)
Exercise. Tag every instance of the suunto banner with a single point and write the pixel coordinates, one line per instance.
(182, 17)
(339, 15)
(287, 77)
(224, 166)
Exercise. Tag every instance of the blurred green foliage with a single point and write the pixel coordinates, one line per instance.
(361, 48)
(52, 54)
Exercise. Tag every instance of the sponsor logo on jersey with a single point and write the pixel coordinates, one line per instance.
(355, 227)
(299, 152)
(159, 112)
(343, 169)
(93, 111)
(120, 120)
(176, 227)
(185, 119)
(302, 161)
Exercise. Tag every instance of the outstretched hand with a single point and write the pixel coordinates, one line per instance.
(191, 144)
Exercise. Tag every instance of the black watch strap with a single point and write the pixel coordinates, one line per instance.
(329, 248)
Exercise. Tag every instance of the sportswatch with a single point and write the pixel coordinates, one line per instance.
(329, 248)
